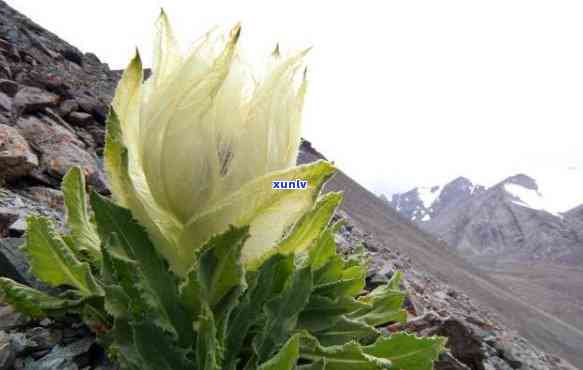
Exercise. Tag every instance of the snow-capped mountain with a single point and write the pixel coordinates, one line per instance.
(575, 215)
(423, 203)
(512, 220)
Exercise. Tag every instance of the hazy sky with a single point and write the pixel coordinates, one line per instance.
(403, 93)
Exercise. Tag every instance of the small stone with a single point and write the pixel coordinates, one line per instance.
(18, 228)
(45, 322)
(7, 354)
(20, 343)
(13, 263)
(79, 118)
(52, 198)
(16, 157)
(44, 337)
(7, 218)
(5, 102)
(93, 106)
(10, 318)
(67, 107)
(8, 87)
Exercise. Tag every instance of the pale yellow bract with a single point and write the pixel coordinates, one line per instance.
(204, 140)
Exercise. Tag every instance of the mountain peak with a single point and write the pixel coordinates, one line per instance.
(424, 203)
(522, 180)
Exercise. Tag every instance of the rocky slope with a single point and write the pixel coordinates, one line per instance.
(53, 101)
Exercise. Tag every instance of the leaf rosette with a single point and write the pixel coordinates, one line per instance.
(196, 262)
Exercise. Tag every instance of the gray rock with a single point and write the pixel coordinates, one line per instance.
(93, 106)
(61, 357)
(44, 338)
(16, 156)
(8, 87)
(447, 361)
(7, 219)
(7, 353)
(79, 118)
(5, 102)
(462, 343)
(32, 99)
(11, 319)
(13, 263)
(68, 106)
(60, 149)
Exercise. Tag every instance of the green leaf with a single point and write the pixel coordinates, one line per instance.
(116, 300)
(158, 279)
(349, 356)
(323, 251)
(123, 344)
(287, 356)
(223, 312)
(281, 313)
(311, 225)
(408, 352)
(346, 330)
(53, 262)
(217, 270)
(207, 347)
(36, 303)
(83, 232)
(351, 282)
(96, 319)
(385, 304)
(261, 286)
(125, 106)
(323, 312)
(157, 350)
(151, 346)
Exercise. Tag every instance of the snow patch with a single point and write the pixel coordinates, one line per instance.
(426, 217)
(530, 198)
(429, 195)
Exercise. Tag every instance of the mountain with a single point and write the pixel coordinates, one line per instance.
(575, 214)
(510, 221)
(425, 203)
(53, 102)
(513, 235)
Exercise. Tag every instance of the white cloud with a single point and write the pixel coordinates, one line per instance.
(402, 93)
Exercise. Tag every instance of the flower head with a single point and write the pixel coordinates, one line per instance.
(204, 139)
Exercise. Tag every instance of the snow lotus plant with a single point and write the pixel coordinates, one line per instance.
(196, 262)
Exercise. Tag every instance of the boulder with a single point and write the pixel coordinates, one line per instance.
(16, 157)
(461, 342)
(60, 150)
(32, 99)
